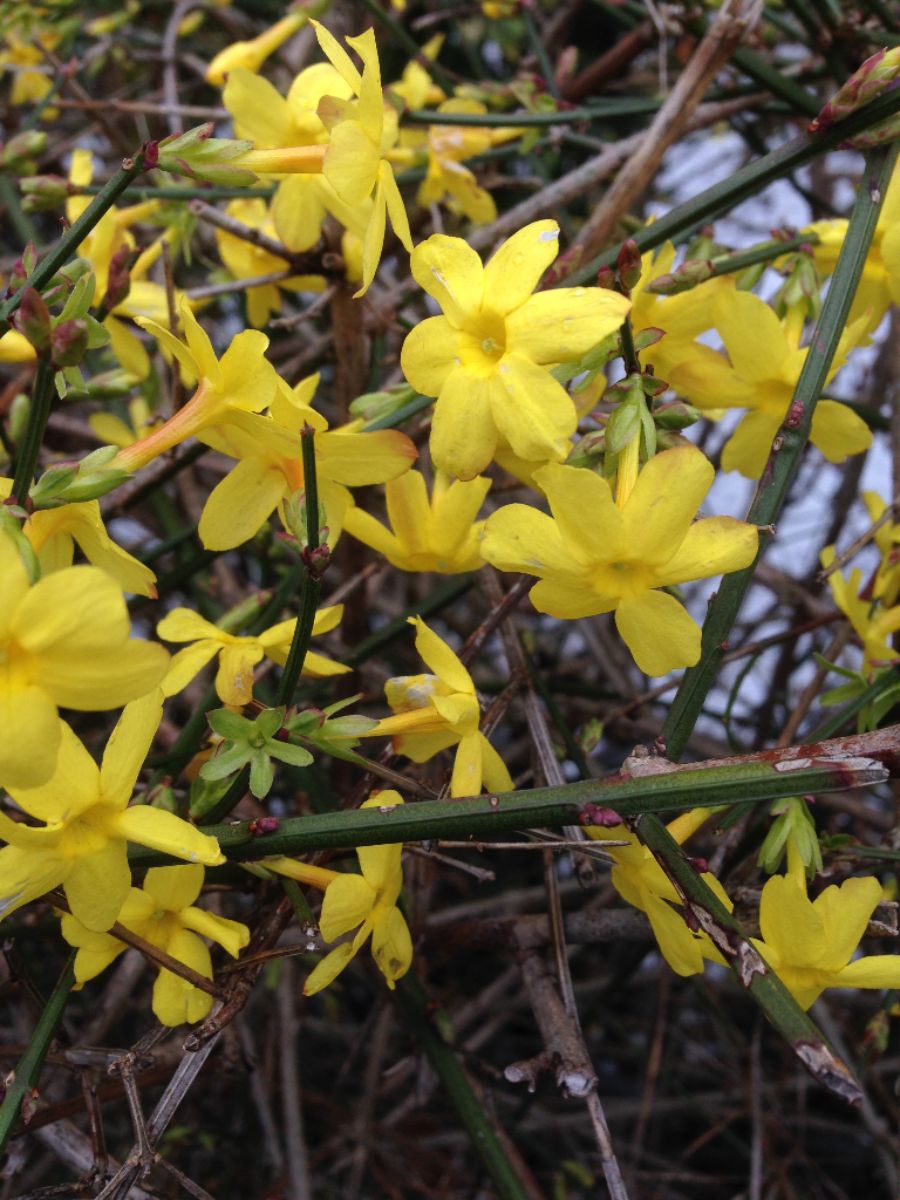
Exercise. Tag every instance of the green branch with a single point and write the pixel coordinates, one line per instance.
(38, 415)
(550, 807)
(312, 580)
(788, 445)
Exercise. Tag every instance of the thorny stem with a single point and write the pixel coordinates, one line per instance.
(828, 767)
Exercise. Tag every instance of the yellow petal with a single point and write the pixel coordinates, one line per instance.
(329, 968)
(514, 271)
(97, 885)
(466, 778)
(174, 888)
(298, 211)
(562, 324)
(29, 735)
(128, 747)
(429, 354)
(356, 459)
(259, 111)
(680, 948)
(392, 946)
(365, 528)
(753, 335)
(519, 538)
(163, 831)
(93, 681)
(791, 927)
(450, 271)
(572, 493)
(438, 656)
(569, 600)
(234, 680)
(185, 625)
(713, 546)
(495, 776)
(838, 432)
(248, 379)
(845, 913)
(532, 410)
(669, 490)
(463, 430)
(659, 633)
(348, 901)
(186, 664)
(175, 1001)
(84, 523)
(351, 165)
(230, 935)
(874, 971)
(240, 504)
(747, 450)
(78, 608)
(25, 875)
(395, 206)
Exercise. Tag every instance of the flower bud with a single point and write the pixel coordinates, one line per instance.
(32, 319)
(876, 75)
(118, 283)
(676, 415)
(24, 146)
(199, 155)
(42, 192)
(628, 264)
(683, 278)
(69, 343)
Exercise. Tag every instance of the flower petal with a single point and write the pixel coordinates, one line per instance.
(430, 352)
(518, 537)
(328, 969)
(175, 1001)
(562, 324)
(128, 747)
(659, 633)
(240, 504)
(669, 490)
(356, 459)
(98, 680)
(30, 731)
(569, 600)
(873, 971)
(392, 946)
(463, 429)
(186, 664)
(591, 525)
(450, 271)
(97, 885)
(838, 432)
(230, 935)
(753, 335)
(791, 926)
(348, 901)
(161, 830)
(713, 546)
(748, 447)
(495, 776)
(25, 875)
(174, 888)
(466, 778)
(514, 271)
(440, 659)
(532, 410)
(845, 913)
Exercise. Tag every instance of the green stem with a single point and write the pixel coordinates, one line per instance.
(25, 1076)
(625, 107)
(419, 1018)
(730, 264)
(757, 68)
(759, 980)
(747, 182)
(67, 245)
(787, 447)
(39, 414)
(550, 807)
(173, 192)
(312, 585)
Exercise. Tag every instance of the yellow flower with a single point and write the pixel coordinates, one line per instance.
(641, 881)
(251, 55)
(163, 913)
(246, 261)
(29, 87)
(446, 179)
(243, 380)
(361, 134)
(415, 87)
(53, 533)
(879, 286)
(369, 901)
(810, 942)
(87, 823)
(270, 465)
(887, 539)
(273, 122)
(487, 358)
(440, 534)
(435, 711)
(595, 556)
(238, 655)
(113, 431)
(63, 642)
(766, 360)
(873, 621)
(683, 317)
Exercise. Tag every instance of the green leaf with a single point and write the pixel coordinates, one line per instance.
(287, 752)
(262, 774)
(225, 763)
(269, 722)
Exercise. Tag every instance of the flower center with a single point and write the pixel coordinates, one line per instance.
(483, 343)
(622, 580)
